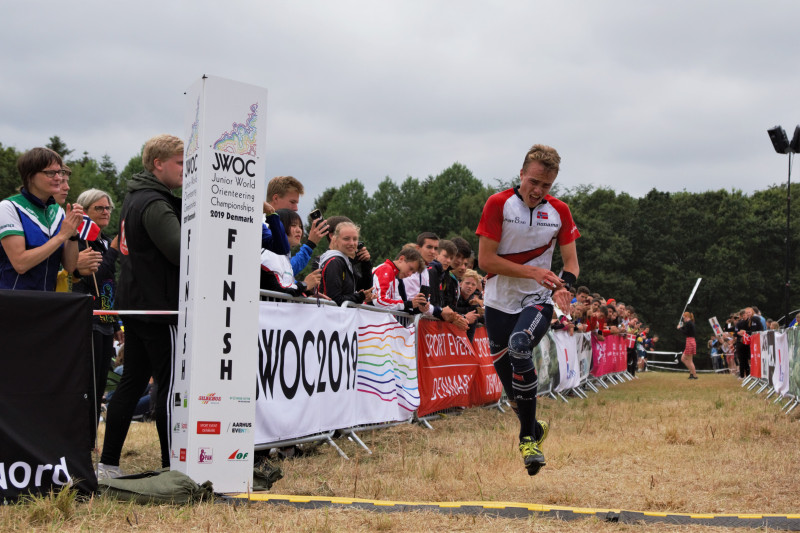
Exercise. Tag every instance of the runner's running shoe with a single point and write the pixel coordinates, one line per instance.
(531, 455)
(545, 431)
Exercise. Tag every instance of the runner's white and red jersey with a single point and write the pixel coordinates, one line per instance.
(526, 236)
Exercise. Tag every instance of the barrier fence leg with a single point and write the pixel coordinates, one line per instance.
(497, 405)
(562, 397)
(589, 384)
(771, 392)
(793, 406)
(424, 423)
(354, 437)
(343, 455)
(746, 380)
(779, 398)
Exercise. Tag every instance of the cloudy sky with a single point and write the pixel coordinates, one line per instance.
(635, 95)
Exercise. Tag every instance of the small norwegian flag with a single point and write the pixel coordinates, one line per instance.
(542, 215)
(88, 230)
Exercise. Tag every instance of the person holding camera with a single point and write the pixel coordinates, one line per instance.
(428, 246)
(277, 270)
(387, 278)
(318, 230)
(346, 267)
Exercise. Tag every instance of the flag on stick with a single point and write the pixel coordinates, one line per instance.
(88, 230)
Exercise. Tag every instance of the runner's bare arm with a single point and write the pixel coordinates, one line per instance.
(569, 254)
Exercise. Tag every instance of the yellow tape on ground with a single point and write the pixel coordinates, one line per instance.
(788, 521)
(258, 496)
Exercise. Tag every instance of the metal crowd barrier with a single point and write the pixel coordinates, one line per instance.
(407, 320)
(403, 318)
(761, 384)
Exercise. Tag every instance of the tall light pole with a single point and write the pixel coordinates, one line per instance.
(782, 145)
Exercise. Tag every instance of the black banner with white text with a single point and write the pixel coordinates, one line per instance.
(45, 368)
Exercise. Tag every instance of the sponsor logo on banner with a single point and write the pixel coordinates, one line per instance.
(332, 368)
(239, 399)
(210, 398)
(205, 455)
(179, 427)
(238, 456)
(20, 474)
(181, 400)
(446, 344)
(493, 384)
(449, 386)
(240, 427)
(208, 428)
(182, 457)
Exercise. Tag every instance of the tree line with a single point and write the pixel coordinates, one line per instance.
(646, 251)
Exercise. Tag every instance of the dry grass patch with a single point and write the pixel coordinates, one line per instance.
(659, 443)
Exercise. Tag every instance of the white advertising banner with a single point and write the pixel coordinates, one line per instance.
(767, 353)
(568, 363)
(387, 369)
(715, 326)
(583, 345)
(780, 377)
(212, 409)
(545, 359)
(327, 367)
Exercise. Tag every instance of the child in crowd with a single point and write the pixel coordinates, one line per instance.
(386, 279)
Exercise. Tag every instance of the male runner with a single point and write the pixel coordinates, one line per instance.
(517, 233)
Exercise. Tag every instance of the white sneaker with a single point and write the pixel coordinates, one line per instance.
(108, 471)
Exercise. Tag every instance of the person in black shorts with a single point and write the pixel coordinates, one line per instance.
(518, 232)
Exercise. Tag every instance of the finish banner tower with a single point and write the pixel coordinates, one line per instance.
(212, 407)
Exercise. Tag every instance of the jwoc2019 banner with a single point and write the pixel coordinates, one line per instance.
(324, 368)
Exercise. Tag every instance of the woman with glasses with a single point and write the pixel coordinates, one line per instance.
(36, 234)
(95, 275)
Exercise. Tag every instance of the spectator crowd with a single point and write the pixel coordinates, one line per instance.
(437, 277)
